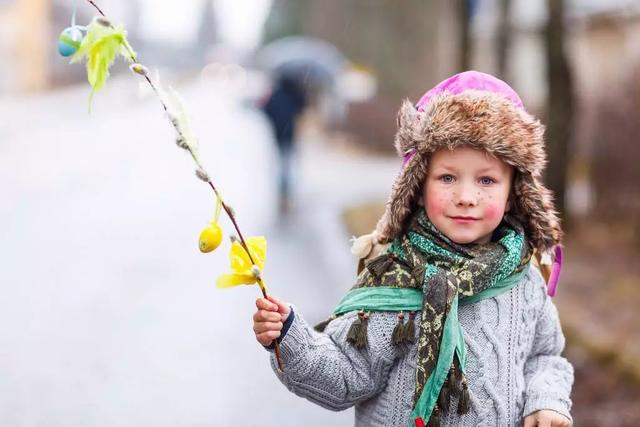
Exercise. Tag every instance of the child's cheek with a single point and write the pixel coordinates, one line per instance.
(435, 203)
(493, 212)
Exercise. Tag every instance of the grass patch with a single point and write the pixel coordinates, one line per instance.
(362, 218)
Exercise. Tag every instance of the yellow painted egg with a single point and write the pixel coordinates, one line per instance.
(210, 238)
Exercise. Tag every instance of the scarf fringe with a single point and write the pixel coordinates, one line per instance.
(397, 337)
(380, 264)
(357, 334)
(463, 401)
(434, 420)
(444, 398)
(454, 381)
(410, 329)
(455, 384)
(404, 332)
(320, 327)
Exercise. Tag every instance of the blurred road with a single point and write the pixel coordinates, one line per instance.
(109, 315)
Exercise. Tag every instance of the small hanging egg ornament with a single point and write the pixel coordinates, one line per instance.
(69, 41)
(210, 238)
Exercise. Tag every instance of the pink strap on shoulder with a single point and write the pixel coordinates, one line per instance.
(555, 272)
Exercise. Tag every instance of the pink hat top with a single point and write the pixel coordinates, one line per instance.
(468, 80)
(471, 80)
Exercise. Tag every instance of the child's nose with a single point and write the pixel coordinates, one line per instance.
(467, 196)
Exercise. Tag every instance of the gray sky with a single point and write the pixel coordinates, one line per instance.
(240, 22)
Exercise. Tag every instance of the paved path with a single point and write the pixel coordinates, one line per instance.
(109, 315)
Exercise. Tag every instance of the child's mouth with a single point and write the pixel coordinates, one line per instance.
(464, 219)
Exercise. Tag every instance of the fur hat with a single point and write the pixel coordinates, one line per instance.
(476, 110)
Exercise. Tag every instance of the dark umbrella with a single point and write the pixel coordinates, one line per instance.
(314, 62)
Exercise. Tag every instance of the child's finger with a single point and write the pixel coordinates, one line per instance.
(266, 338)
(282, 306)
(266, 316)
(261, 327)
(264, 304)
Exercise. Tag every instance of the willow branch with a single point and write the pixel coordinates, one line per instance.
(226, 208)
(97, 8)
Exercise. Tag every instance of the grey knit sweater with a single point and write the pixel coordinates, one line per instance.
(514, 366)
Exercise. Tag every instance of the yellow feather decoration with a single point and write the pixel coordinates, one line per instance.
(100, 47)
(242, 270)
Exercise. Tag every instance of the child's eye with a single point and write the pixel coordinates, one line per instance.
(485, 180)
(447, 179)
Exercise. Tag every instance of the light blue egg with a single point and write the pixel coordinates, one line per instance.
(69, 41)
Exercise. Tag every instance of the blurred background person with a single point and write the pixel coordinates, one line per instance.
(304, 72)
(283, 107)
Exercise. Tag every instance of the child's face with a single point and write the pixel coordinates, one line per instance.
(466, 193)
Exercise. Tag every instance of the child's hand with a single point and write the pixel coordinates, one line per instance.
(268, 319)
(546, 418)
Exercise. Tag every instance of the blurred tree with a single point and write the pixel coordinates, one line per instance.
(464, 9)
(616, 155)
(504, 36)
(560, 104)
(409, 45)
(207, 34)
(33, 38)
(286, 18)
(135, 21)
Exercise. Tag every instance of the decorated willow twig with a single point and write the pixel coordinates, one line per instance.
(100, 43)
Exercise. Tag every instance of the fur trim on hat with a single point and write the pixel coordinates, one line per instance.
(484, 121)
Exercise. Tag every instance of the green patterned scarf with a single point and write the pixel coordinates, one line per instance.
(424, 270)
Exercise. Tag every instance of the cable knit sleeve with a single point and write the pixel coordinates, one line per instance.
(325, 369)
(548, 375)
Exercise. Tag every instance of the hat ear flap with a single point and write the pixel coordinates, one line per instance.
(403, 198)
(407, 119)
(534, 207)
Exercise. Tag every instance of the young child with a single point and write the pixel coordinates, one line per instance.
(449, 322)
